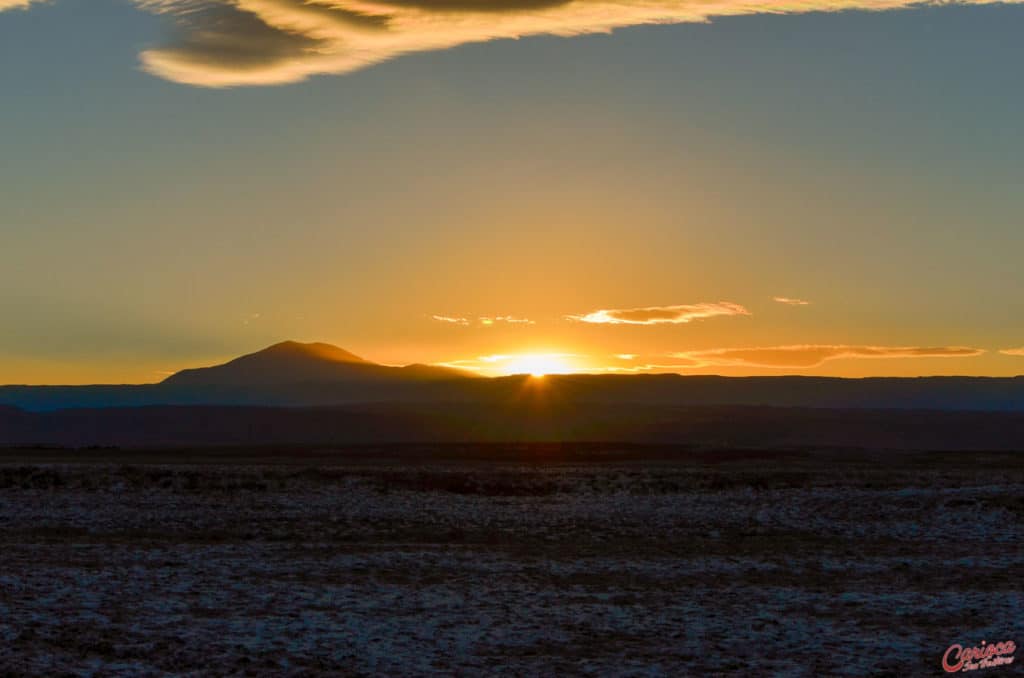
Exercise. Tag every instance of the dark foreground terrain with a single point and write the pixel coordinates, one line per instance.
(521, 560)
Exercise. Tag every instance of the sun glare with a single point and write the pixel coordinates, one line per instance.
(537, 364)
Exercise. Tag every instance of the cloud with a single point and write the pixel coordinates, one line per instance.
(15, 4)
(507, 319)
(225, 43)
(657, 315)
(1013, 351)
(769, 357)
(662, 366)
(814, 355)
(791, 301)
(450, 319)
(486, 320)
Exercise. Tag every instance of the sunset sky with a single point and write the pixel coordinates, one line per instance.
(700, 186)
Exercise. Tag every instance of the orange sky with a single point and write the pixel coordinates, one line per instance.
(699, 187)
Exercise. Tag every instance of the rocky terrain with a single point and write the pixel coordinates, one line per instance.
(517, 560)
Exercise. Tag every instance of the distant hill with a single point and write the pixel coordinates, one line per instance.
(291, 362)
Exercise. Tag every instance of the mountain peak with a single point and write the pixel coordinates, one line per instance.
(293, 362)
(316, 350)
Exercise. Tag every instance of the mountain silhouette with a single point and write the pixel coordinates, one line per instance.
(292, 362)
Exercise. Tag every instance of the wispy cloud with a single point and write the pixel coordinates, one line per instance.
(649, 365)
(224, 43)
(486, 320)
(657, 315)
(803, 356)
(1013, 351)
(790, 301)
(507, 319)
(814, 355)
(451, 319)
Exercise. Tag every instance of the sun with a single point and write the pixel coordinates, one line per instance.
(537, 364)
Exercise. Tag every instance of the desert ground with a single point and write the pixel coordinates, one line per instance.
(505, 559)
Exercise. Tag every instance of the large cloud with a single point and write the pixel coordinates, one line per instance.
(813, 355)
(221, 43)
(657, 315)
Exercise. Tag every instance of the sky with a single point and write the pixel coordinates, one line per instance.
(825, 187)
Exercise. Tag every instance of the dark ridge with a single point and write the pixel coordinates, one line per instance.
(524, 421)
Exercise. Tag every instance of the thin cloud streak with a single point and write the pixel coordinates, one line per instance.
(227, 43)
(815, 355)
(1013, 351)
(646, 368)
(506, 319)
(789, 301)
(486, 321)
(801, 356)
(658, 315)
(450, 319)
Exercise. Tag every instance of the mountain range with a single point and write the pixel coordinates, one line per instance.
(299, 375)
(320, 394)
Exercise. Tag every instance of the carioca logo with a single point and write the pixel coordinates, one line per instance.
(984, 656)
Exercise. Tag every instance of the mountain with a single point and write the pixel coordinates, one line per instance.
(291, 362)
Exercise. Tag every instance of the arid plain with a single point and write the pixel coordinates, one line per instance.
(522, 559)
